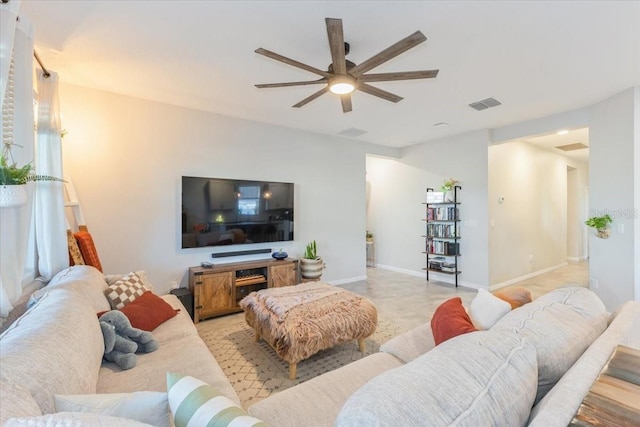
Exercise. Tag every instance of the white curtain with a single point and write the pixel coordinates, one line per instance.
(51, 228)
(17, 267)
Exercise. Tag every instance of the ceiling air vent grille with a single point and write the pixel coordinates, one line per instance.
(484, 104)
(352, 132)
(572, 147)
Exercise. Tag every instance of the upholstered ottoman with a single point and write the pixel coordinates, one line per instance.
(299, 321)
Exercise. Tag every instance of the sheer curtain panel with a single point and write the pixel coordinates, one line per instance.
(51, 228)
(17, 267)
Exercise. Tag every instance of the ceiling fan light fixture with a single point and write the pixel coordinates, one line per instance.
(342, 85)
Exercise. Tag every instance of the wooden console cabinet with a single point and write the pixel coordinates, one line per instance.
(218, 290)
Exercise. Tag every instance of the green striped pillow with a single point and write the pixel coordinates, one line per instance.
(195, 403)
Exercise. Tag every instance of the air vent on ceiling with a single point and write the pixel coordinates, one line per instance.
(352, 132)
(484, 104)
(572, 147)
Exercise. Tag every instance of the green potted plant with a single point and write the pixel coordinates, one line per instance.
(447, 188)
(13, 180)
(311, 264)
(601, 225)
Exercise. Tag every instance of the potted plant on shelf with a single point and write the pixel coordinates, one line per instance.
(447, 188)
(311, 264)
(601, 225)
(13, 180)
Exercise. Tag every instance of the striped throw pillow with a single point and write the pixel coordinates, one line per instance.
(195, 403)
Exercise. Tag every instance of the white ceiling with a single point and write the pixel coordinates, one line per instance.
(537, 58)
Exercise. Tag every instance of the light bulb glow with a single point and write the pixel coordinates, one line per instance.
(342, 84)
(341, 88)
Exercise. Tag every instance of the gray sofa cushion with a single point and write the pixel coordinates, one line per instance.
(560, 325)
(56, 347)
(561, 403)
(411, 344)
(317, 402)
(477, 379)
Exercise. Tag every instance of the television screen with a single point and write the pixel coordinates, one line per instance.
(219, 212)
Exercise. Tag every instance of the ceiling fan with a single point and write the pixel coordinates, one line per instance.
(343, 76)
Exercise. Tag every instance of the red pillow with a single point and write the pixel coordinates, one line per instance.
(450, 320)
(148, 311)
(88, 249)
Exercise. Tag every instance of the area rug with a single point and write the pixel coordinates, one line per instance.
(254, 369)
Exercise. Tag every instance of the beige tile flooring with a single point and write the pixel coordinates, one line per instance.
(409, 301)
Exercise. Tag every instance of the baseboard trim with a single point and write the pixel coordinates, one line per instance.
(348, 280)
(577, 259)
(447, 278)
(526, 276)
(401, 270)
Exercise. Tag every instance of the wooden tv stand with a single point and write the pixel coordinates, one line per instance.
(218, 290)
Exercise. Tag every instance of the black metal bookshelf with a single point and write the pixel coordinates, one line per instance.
(442, 235)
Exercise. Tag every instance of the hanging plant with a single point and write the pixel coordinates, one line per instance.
(11, 174)
(600, 224)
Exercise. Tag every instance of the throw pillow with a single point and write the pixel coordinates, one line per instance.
(517, 297)
(485, 309)
(142, 274)
(148, 312)
(150, 407)
(125, 291)
(75, 256)
(88, 249)
(450, 320)
(194, 402)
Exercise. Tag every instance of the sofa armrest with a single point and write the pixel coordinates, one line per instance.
(411, 344)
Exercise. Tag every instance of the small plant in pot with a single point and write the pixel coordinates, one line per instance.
(447, 189)
(13, 180)
(600, 224)
(311, 264)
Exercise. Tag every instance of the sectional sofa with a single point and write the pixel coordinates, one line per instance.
(534, 366)
(56, 348)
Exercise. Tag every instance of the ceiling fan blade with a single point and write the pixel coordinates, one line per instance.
(346, 103)
(389, 53)
(310, 98)
(336, 44)
(308, 82)
(379, 93)
(400, 75)
(291, 62)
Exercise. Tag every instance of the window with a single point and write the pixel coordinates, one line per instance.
(249, 200)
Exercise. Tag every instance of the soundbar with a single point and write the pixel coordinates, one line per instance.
(237, 253)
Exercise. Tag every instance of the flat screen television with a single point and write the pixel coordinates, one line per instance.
(221, 212)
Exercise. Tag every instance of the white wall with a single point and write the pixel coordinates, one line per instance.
(528, 230)
(395, 211)
(126, 157)
(613, 134)
(577, 212)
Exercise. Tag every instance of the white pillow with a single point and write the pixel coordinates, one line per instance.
(195, 403)
(486, 309)
(149, 407)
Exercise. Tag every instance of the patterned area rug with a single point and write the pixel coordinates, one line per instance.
(254, 369)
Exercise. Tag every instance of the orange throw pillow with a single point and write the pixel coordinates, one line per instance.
(517, 297)
(148, 311)
(88, 249)
(450, 320)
